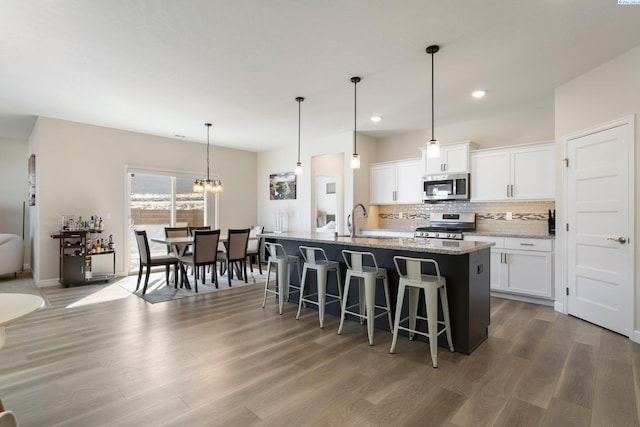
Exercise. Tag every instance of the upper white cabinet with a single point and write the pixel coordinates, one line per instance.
(453, 158)
(396, 182)
(522, 172)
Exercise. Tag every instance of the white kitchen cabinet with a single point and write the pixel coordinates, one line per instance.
(520, 266)
(513, 173)
(396, 182)
(454, 158)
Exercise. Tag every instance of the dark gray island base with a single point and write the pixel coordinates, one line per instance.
(466, 266)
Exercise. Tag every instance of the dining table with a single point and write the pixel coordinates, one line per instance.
(184, 242)
(180, 244)
(15, 306)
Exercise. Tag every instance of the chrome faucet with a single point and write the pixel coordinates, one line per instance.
(353, 218)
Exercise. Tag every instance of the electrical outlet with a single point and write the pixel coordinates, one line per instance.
(509, 216)
(400, 215)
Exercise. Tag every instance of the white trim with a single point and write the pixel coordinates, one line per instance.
(47, 283)
(635, 337)
(631, 122)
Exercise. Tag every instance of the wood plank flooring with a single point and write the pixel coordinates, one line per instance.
(222, 360)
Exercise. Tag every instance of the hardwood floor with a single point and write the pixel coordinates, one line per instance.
(220, 359)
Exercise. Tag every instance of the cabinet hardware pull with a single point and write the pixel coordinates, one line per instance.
(526, 244)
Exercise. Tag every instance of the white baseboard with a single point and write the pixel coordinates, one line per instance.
(559, 306)
(523, 298)
(47, 283)
(635, 337)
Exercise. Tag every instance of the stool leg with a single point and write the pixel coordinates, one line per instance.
(387, 298)
(322, 292)
(266, 284)
(347, 283)
(283, 283)
(396, 323)
(339, 281)
(431, 300)
(445, 314)
(302, 285)
(370, 300)
(414, 299)
(361, 299)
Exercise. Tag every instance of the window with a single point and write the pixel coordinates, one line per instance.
(156, 201)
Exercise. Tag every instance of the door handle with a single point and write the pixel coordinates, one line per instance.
(620, 240)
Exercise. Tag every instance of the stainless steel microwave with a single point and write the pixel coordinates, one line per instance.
(445, 187)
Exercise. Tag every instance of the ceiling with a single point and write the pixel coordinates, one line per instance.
(165, 67)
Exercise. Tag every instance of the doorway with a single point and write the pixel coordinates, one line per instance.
(599, 189)
(328, 193)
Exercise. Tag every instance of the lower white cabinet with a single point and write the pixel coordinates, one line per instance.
(521, 266)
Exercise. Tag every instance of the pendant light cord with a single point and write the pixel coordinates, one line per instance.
(299, 106)
(355, 110)
(208, 125)
(432, 96)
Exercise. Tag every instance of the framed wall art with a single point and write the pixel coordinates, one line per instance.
(282, 186)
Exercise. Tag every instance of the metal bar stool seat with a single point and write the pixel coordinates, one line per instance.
(364, 267)
(411, 278)
(283, 262)
(316, 259)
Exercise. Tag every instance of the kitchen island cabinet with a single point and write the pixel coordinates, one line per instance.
(521, 267)
(466, 266)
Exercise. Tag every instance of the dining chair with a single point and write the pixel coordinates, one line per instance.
(236, 253)
(192, 229)
(148, 261)
(177, 250)
(199, 227)
(253, 247)
(205, 252)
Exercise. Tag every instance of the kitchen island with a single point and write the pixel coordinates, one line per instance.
(466, 266)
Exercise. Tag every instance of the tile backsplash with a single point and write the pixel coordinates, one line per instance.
(527, 217)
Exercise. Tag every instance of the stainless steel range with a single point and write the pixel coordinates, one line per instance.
(448, 226)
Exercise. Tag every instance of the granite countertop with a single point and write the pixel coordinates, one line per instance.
(511, 234)
(435, 246)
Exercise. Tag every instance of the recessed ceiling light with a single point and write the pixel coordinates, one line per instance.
(478, 93)
(376, 119)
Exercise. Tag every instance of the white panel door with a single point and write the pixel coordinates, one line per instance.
(599, 211)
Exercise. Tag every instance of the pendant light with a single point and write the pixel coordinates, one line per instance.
(298, 169)
(433, 147)
(355, 157)
(208, 185)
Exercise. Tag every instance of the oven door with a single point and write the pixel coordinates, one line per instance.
(446, 187)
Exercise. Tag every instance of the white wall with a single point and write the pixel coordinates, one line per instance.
(80, 170)
(606, 93)
(300, 217)
(14, 187)
(532, 122)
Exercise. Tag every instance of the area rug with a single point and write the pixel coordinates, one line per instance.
(158, 291)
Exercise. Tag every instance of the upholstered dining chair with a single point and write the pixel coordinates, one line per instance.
(236, 253)
(205, 252)
(199, 227)
(178, 250)
(146, 260)
(253, 247)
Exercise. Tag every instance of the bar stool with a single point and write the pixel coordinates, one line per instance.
(278, 256)
(414, 280)
(363, 266)
(316, 259)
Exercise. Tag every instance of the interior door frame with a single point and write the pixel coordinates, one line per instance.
(562, 305)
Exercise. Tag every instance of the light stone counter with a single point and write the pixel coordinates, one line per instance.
(433, 246)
